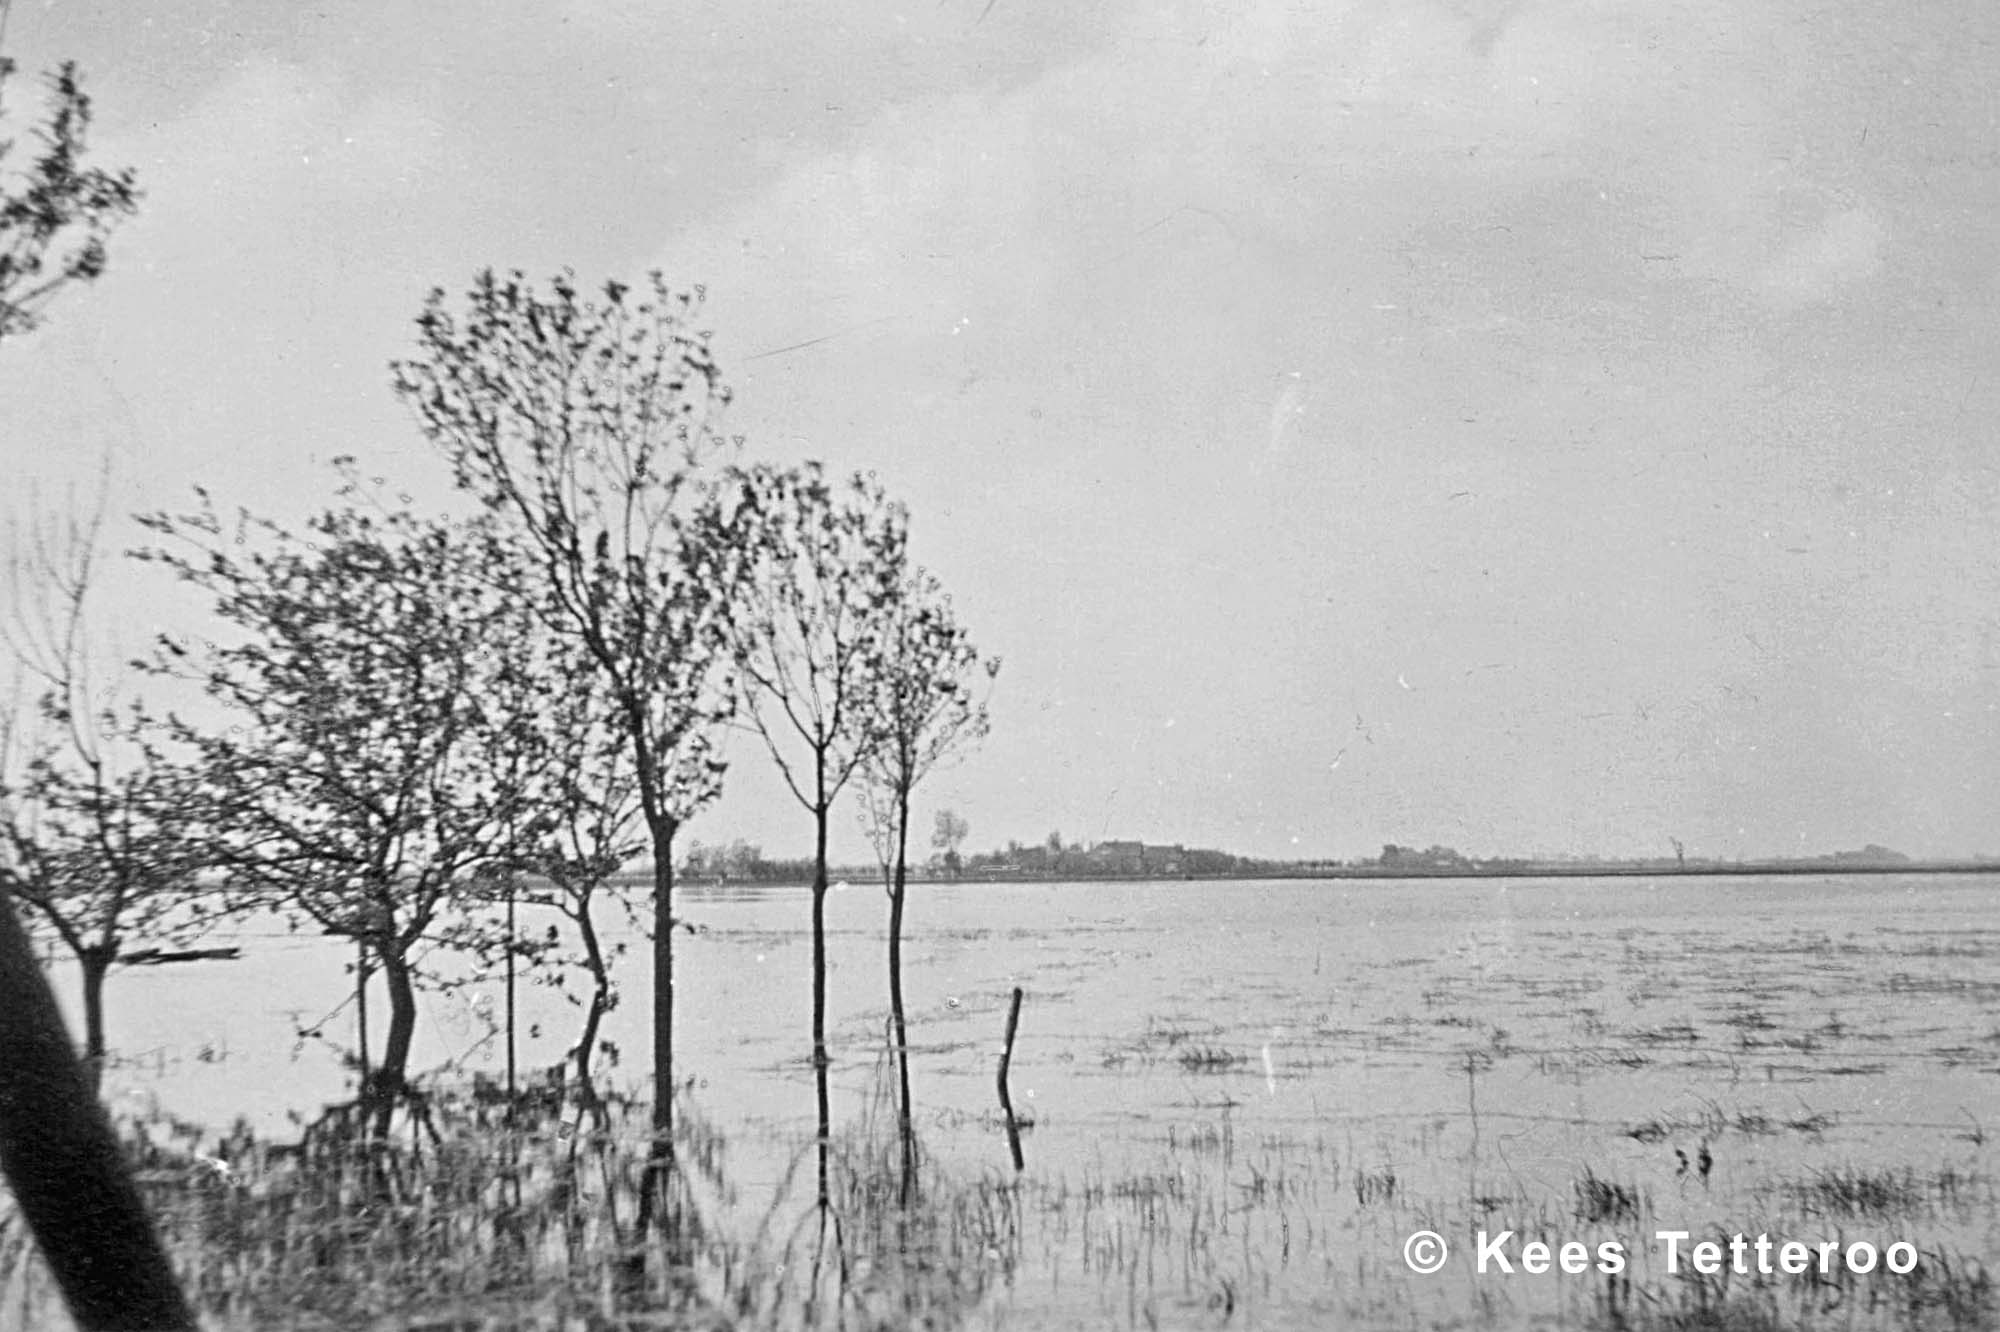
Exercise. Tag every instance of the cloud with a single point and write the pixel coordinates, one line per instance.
(274, 132)
(1234, 357)
(1844, 249)
(1236, 157)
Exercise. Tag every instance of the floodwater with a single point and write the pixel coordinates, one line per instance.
(1269, 1085)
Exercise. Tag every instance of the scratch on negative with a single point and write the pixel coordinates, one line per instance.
(814, 342)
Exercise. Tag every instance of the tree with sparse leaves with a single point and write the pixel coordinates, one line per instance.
(811, 633)
(587, 803)
(588, 428)
(926, 703)
(56, 213)
(373, 757)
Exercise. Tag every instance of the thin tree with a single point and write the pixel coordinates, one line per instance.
(926, 705)
(581, 824)
(588, 429)
(56, 216)
(811, 638)
(374, 759)
(93, 833)
(62, 802)
(57, 1148)
(588, 807)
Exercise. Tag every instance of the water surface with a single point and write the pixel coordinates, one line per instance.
(1482, 1043)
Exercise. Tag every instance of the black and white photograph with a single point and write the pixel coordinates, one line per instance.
(974, 664)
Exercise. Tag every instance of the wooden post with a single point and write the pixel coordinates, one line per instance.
(1007, 1102)
(65, 1167)
(361, 1008)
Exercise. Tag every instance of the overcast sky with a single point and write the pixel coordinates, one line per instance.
(1531, 427)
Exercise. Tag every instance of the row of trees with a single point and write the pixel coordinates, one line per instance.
(404, 718)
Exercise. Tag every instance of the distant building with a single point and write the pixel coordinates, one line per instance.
(1117, 857)
(1870, 855)
(1431, 859)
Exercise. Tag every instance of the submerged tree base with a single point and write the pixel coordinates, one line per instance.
(460, 1222)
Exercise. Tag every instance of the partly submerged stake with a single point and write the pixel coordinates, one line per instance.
(1007, 1102)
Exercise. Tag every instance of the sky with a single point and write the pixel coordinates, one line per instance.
(1535, 428)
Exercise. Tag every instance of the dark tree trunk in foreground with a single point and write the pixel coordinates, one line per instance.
(64, 1165)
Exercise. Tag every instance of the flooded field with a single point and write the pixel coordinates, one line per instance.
(1247, 1097)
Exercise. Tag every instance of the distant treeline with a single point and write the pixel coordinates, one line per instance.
(1056, 859)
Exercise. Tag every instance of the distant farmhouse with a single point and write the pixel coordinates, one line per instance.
(1870, 854)
(1432, 860)
(1135, 858)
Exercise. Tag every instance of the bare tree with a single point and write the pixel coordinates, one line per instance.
(924, 706)
(587, 428)
(93, 834)
(375, 754)
(811, 634)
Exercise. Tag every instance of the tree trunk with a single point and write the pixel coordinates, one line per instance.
(64, 1165)
(819, 993)
(389, 1077)
(663, 988)
(600, 1000)
(653, 1184)
(905, 1126)
(96, 965)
